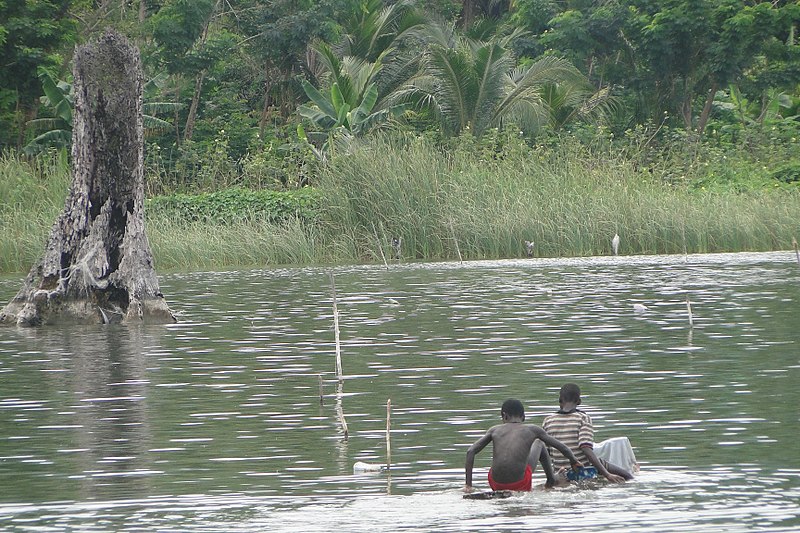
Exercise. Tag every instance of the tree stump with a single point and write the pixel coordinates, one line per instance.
(97, 265)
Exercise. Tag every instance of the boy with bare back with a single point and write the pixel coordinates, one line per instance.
(516, 448)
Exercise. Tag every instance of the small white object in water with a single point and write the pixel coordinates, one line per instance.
(615, 244)
(639, 308)
(361, 467)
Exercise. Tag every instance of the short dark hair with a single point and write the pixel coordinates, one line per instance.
(570, 392)
(513, 408)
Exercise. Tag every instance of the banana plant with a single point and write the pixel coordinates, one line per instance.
(338, 120)
(56, 130)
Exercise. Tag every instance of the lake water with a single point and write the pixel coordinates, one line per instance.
(215, 423)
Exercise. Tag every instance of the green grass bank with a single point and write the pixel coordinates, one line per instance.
(481, 199)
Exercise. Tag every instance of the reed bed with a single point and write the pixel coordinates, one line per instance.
(178, 245)
(32, 193)
(469, 197)
(569, 200)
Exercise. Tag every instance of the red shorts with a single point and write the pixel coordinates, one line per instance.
(522, 484)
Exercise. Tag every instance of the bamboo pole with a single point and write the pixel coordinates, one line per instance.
(389, 434)
(339, 373)
(340, 409)
(321, 395)
(689, 311)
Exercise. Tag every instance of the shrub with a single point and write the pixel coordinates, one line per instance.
(236, 205)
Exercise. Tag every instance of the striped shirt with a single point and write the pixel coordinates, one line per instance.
(573, 429)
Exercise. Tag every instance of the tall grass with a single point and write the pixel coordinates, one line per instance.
(568, 199)
(178, 245)
(32, 193)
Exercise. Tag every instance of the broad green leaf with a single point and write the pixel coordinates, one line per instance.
(317, 97)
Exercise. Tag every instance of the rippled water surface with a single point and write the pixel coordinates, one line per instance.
(216, 424)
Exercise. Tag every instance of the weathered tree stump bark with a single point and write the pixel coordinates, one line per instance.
(97, 265)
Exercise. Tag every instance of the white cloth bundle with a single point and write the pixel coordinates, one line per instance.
(617, 451)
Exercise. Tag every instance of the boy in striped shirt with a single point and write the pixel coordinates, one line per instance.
(574, 428)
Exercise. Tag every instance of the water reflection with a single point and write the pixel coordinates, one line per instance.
(215, 423)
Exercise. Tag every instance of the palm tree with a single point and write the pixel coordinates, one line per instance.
(352, 76)
(474, 85)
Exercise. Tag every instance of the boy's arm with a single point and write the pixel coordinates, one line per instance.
(558, 445)
(470, 462)
(598, 464)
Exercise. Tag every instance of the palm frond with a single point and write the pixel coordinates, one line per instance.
(154, 108)
(455, 77)
(153, 124)
(491, 64)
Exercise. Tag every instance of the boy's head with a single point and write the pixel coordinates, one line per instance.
(570, 393)
(511, 409)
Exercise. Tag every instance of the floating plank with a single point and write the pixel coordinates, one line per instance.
(489, 495)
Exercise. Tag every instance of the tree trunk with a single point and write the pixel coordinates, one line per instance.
(97, 265)
(468, 9)
(262, 123)
(192, 117)
(706, 114)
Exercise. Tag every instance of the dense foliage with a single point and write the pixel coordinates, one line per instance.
(235, 205)
(236, 72)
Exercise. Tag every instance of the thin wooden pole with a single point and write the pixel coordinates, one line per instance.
(796, 251)
(340, 409)
(389, 434)
(321, 395)
(339, 373)
(689, 311)
(380, 246)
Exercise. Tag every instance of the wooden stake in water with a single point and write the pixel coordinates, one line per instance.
(340, 409)
(321, 395)
(458, 250)
(796, 251)
(389, 434)
(339, 373)
(380, 246)
(689, 311)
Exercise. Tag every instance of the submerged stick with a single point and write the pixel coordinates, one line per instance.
(458, 250)
(380, 246)
(389, 434)
(689, 311)
(796, 251)
(339, 373)
(321, 395)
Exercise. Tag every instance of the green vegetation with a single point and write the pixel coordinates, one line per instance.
(567, 198)
(32, 193)
(489, 195)
(305, 131)
(235, 205)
